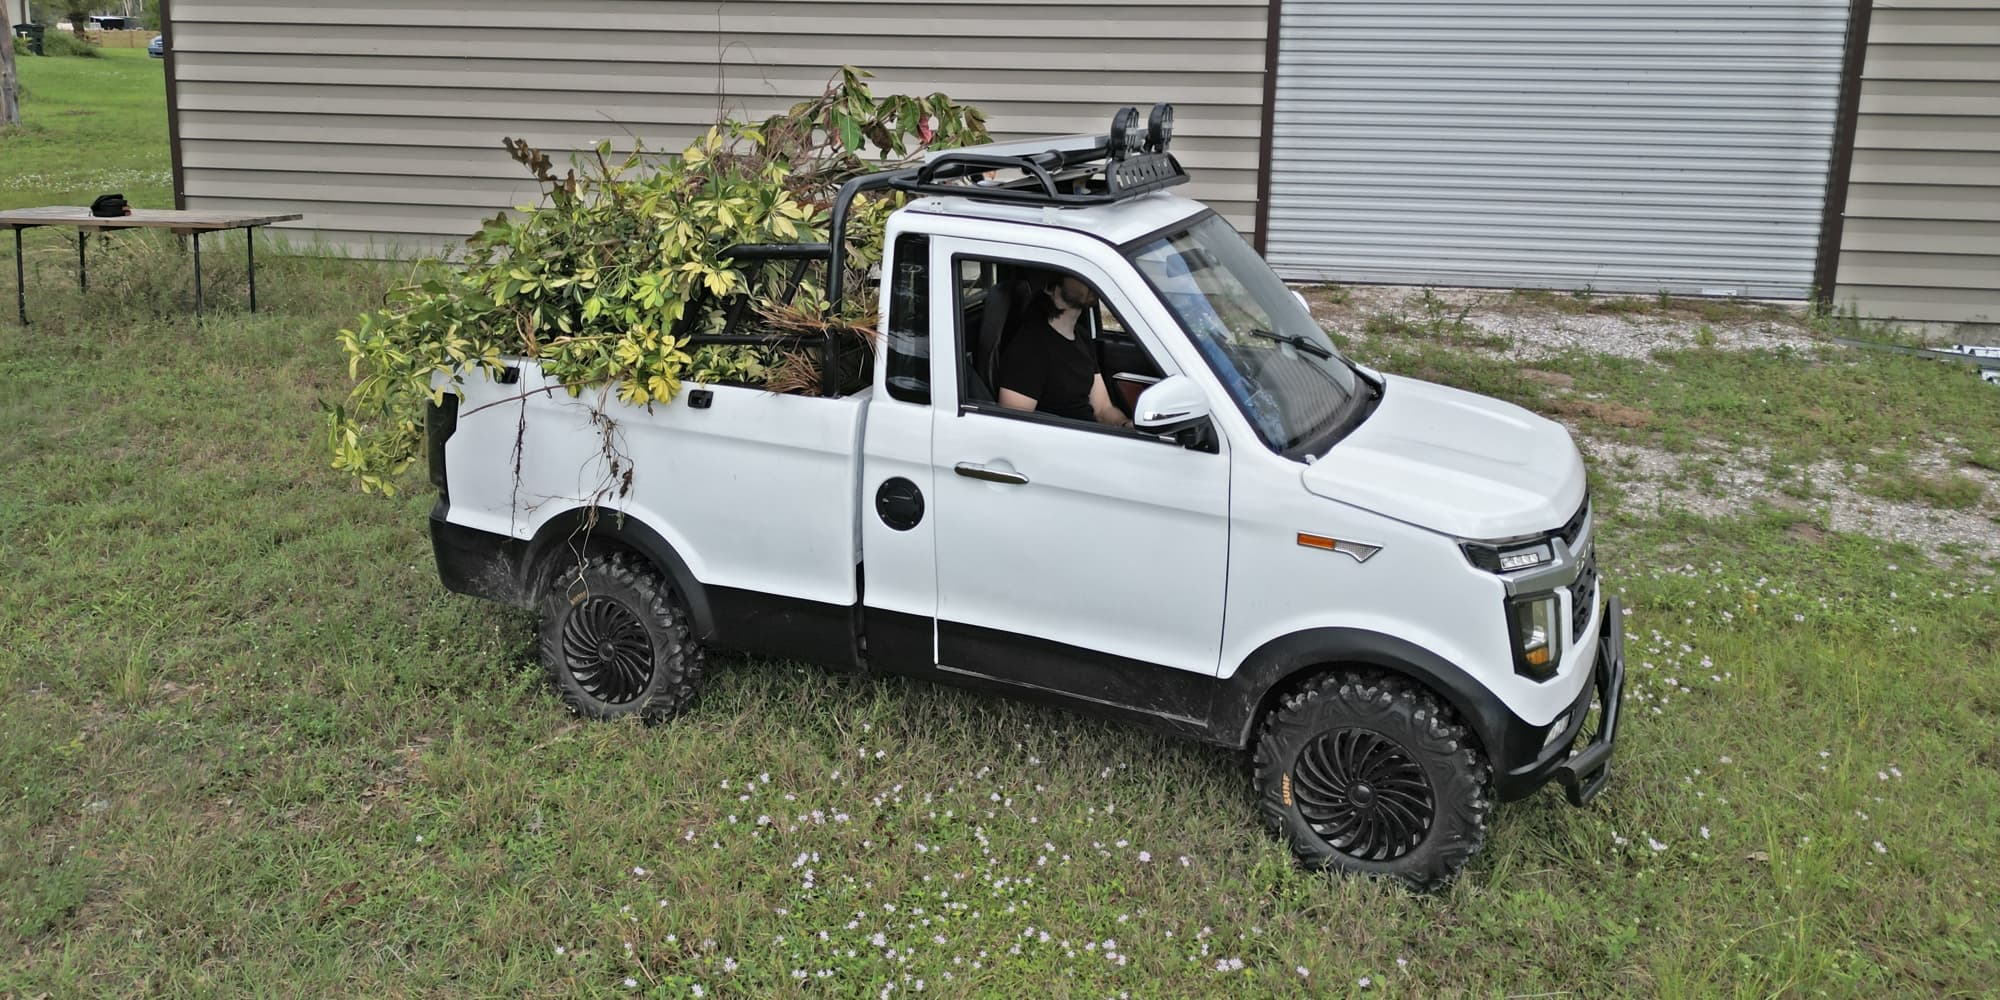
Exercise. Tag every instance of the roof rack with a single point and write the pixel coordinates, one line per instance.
(1072, 170)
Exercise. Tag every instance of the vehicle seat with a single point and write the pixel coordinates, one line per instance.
(1003, 302)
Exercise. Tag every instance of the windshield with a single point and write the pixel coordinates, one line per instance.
(1275, 361)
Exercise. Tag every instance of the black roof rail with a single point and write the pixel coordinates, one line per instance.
(1074, 170)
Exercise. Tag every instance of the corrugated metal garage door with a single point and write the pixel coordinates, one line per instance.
(1679, 144)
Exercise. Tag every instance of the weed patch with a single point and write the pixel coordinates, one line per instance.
(1948, 492)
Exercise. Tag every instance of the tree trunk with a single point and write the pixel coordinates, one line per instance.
(10, 86)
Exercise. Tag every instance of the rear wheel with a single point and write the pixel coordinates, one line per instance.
(1373, 775)
(614, 641)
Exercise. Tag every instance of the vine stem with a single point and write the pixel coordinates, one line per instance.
(523, 396)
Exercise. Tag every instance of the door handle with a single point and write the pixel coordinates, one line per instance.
(973, 470)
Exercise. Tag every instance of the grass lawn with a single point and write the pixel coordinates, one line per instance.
(88, 127)
(249, 746)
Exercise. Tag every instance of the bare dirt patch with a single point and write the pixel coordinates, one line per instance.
(1806, 532)
(1615, 414)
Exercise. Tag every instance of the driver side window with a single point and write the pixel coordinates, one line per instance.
(1044, 337)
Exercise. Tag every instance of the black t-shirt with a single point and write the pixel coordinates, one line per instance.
(1056, 372)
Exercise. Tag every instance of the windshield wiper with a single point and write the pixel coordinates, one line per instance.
(1296, 341)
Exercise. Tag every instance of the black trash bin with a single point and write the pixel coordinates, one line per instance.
(33, 33)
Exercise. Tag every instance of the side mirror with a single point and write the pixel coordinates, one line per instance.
(1301, 296)
(1172, 404)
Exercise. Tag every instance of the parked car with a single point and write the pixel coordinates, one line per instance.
(1384, 590)
(157, 48)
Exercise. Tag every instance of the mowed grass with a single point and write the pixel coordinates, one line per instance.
(249, 746)
(88, 127)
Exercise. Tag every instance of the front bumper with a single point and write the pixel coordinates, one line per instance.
(1586, 771)
(1582, 771)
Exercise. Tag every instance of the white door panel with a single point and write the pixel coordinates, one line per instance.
(1114, 544)
(1061, 545)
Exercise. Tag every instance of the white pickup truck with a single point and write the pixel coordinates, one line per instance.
(1381, 588)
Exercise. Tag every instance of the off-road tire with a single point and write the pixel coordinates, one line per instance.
(1395, 733)
(615, 641)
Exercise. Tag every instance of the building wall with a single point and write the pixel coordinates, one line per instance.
(1621, 145)
(381, 120)
(1921, 240)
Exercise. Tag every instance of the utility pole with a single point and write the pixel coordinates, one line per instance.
(10, 86)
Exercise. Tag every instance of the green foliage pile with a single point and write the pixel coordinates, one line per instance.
(63, 43)
(605, 281)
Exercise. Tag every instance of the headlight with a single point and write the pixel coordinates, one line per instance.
(1526, 558)
(1531, 626)
(1494, 559)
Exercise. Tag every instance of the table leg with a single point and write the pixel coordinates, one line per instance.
(82, 268)
(197, 274)
(20, 278)
(250, 248)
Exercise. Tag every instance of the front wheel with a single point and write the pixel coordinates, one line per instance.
(614, 642)
(1375, 776)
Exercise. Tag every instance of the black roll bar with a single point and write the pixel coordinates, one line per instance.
(1126, 174)
(837, 227)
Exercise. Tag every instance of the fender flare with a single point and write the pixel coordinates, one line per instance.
(1277, 665)
(552, 542)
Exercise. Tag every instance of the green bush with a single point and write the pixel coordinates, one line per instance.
(63, 43)
(606, 281)
(21, 47)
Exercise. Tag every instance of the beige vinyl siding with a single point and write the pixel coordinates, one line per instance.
(381, 120)
(1921, 240)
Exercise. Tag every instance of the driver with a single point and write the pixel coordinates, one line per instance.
(1047, 368)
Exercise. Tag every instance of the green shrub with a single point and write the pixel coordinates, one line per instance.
(63, 43)
(598, 282)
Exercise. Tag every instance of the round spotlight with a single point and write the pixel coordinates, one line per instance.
(1126, 138)
(1160, 128)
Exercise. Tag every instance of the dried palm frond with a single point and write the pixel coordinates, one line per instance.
(790, 319)
(795, 371)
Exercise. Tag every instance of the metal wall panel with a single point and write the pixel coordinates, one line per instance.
(381, 120)
(1629, 146)
(1921, 240)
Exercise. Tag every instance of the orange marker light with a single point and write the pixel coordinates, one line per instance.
(1317, 542)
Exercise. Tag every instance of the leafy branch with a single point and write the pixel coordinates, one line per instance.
(606, 281)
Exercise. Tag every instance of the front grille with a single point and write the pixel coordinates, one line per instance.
(1574, 526)
(1583, 597)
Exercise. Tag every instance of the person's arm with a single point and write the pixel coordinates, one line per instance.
(1100, 404)
(1015, 401)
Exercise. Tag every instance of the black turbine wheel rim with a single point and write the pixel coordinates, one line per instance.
(1363, 794)
(608, 651)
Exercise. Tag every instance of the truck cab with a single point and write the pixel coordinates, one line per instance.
(1384, 590)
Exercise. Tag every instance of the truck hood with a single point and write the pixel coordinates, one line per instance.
(1454, 462)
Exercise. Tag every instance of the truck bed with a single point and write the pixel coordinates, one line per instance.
(756, 491)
